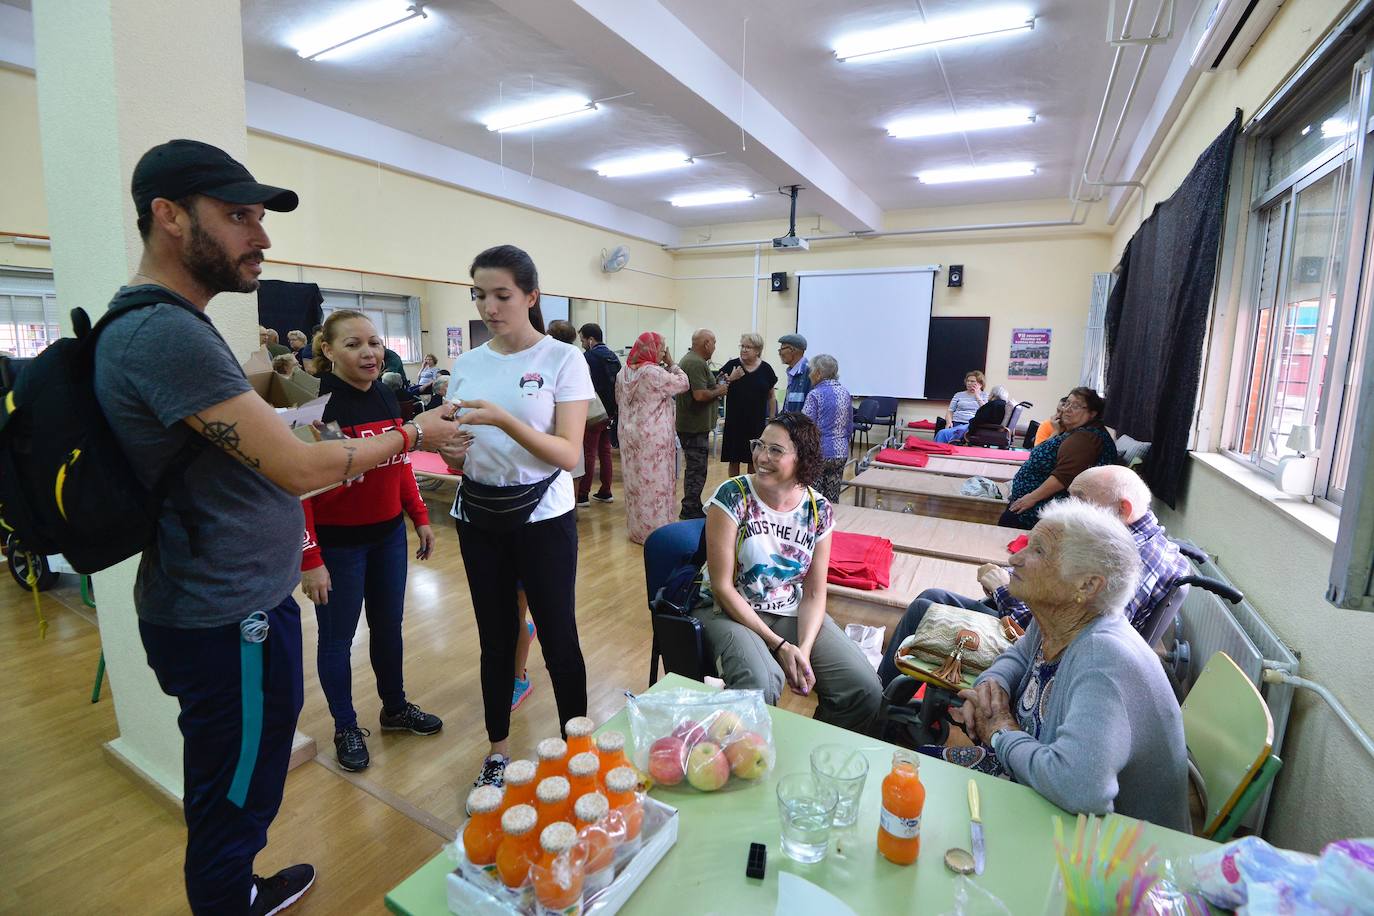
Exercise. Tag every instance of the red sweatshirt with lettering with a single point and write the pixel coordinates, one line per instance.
(368, 507)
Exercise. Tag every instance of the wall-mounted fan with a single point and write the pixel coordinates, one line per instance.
(615, 260)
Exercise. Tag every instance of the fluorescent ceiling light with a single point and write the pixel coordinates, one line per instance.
(915, 35)
(348, 30)
(1335, 127)
(976, 172)
(535, 113)
(706, 198)
(933, 125)
(642, 165)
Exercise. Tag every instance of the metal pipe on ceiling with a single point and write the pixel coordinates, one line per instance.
(1074, 220)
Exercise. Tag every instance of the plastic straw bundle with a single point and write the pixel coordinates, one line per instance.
(1102, 868)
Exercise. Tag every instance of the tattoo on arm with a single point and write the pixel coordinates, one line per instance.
(352, 450)
(226, 436)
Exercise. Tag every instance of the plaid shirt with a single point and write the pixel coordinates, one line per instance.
(1161, 564)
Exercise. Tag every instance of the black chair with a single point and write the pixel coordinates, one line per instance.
(887, 415)
(678, 639)
(865, 416)
(1031, 430)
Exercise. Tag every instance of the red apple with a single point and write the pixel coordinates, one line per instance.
(748, 755)
(690, 731)
(725, 727)
(707, 767)
(667, 760)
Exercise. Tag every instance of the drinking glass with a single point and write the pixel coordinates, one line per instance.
(805, 807)
(844, 769)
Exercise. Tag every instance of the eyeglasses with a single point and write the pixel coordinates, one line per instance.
(774, 451)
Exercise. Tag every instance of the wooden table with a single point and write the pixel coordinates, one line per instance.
(964, 542)
(925, 494)
(911, 575)
(959, 467)
(704, 871)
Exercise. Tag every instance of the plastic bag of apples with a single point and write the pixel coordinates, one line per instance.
(708, 740)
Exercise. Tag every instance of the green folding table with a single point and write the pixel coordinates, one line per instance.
(704, 871)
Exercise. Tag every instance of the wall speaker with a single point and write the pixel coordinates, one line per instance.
(779, 281)
(956, 275)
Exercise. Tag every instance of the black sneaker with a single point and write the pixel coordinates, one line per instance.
(583, 502)
(411, 719)
(281, 890)
(607, 498)
(351, 750)
(493, 771)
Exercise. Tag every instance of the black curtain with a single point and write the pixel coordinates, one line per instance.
(1157, 316)
(285, 306)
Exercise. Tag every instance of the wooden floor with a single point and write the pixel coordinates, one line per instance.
(77, 836)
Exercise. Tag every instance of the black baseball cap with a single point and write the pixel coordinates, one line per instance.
(181, 167)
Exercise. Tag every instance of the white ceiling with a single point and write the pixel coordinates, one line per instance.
(807, 118)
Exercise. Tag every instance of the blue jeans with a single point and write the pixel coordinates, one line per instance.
(950, 433)
(373, 575)
(203, 668)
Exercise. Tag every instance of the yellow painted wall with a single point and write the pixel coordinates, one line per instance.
(1327, 780)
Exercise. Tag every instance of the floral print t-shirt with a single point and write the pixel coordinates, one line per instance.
(773, 549)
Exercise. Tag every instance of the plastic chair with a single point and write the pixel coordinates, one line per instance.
(887, 414)
(1031, 430)
(865, 416)
(1230, 735)
(678, 640)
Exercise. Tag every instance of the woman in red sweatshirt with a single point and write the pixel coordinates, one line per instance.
(355, 541)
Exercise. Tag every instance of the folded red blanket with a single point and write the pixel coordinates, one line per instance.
(1018, 543)
(860, 561)
(921, 424)
(983, 451)
(915, 443)
(897, 456)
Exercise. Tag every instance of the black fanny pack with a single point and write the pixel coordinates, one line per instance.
(494, 508)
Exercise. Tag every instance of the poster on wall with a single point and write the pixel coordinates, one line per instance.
(455, 342)
(1030, 353)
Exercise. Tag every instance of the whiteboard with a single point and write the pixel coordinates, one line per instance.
(876, 323)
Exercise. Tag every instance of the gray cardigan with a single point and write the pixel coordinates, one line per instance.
(1112, 732)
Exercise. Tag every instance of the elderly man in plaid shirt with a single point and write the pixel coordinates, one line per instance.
(1110, 486)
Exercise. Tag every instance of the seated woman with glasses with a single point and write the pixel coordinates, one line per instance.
(767, 554)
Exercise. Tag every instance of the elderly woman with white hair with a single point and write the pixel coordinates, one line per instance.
(1079, 708)
(996, 412)
(829, 404)
(749, 403)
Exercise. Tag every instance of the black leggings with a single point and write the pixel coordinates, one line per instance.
(541, 556)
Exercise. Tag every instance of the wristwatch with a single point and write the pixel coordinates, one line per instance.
(992, 739)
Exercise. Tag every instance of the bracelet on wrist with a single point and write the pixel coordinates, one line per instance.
(419, 436)
(405, 440)
(778, 648)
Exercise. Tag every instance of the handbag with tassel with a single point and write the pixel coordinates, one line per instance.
(961, 641)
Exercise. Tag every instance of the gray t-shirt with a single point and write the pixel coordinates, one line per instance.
(229, 540)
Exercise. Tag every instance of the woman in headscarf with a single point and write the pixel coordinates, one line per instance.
(644, 391)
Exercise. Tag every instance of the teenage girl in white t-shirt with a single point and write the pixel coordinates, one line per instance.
(523, 396)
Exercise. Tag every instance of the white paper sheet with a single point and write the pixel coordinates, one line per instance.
(799, 897)
(305, 414)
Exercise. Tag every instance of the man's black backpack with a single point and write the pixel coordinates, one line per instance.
(66, 486)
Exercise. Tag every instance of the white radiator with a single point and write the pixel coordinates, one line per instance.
(1207, 624)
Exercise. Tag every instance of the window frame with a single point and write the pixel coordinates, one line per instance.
(46, 291)
(365, 301)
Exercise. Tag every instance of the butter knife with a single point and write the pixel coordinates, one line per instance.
(976, 828)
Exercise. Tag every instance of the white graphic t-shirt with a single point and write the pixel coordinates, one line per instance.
(774, 549)
(528, 384)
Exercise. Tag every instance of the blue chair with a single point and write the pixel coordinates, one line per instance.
(678, 640)
(887, 415)
(865, 416)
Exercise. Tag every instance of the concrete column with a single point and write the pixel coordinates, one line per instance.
(116, 77)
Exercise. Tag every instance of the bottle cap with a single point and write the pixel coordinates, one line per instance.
(553, 789)
(610, 742)
(584, 764)
(621, 779)
(552, 749)
(519, 773)
(592, 807)
(519, 820)
(484, 800)
(579, 727)
(558, 837)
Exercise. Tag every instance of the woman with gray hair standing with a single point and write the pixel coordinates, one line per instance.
(1079, 708)
(828, 403)
(749, 402)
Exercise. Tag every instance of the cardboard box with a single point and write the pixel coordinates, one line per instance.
(273, 388)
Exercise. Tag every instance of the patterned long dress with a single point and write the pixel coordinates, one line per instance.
(648, 445)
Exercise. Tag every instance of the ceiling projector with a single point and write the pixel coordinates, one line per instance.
(791, 243)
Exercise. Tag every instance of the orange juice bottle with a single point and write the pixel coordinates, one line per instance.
(579, 730)
(899, 822)
(591, 811)
(519, 847)
(582, 770)
(482, 835)
(553, 801)
(620, 792)
(553, 758)
(558, 885)
(610, 747)
(519, 781)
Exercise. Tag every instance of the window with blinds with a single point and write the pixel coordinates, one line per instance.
(28, 312)
(397, 318)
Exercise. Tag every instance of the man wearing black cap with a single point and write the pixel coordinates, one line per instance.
(213, 594)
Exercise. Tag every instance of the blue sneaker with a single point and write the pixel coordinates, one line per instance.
(523, 688)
